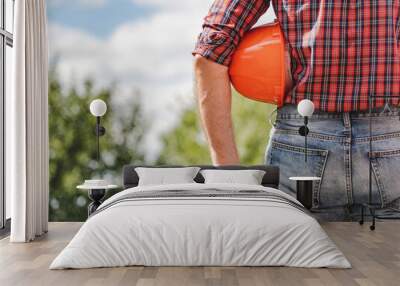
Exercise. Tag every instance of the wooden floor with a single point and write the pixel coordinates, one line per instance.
(375, 257)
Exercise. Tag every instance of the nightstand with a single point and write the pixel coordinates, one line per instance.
(96, 195)
(305, 189)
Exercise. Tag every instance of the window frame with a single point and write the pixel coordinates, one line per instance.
(6, 39)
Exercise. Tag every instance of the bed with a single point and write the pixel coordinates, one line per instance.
(198, 224)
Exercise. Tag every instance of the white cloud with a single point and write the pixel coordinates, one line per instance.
(80, 3)
(152, 54)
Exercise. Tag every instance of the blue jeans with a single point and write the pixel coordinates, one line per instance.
(339, 153)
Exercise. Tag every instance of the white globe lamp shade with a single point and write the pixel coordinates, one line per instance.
(306, 108)
(98, 107)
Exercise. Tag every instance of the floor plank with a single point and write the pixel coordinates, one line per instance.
(375, 257)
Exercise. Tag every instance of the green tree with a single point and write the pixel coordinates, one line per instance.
(73, 144)
(185, 144)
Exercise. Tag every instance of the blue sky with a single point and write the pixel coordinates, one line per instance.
(98, 19)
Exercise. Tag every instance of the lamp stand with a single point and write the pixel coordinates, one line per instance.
(100, 131)
(303, 131)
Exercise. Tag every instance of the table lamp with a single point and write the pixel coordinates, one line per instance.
(98, 108)
(306, 109)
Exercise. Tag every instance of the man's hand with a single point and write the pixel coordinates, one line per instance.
(214, 96)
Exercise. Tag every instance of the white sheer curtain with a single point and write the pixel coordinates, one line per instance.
(27, 146)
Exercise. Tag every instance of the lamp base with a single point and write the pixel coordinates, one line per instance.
(96, 195)
(304, 193)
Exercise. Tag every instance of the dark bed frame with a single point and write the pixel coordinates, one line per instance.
(270, 179)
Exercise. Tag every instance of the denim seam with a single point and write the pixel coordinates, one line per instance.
(348, 158)
(384, 154)
(381, 187)
(375, 115)
(287, 116)
(362, 116)
(330, 138)
(317, 186)
(286, 147)
(348, 175)
(378, 137)
(268, 155)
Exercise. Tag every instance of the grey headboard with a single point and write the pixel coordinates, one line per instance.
(271, 178)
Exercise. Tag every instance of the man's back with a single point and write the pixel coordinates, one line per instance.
(342, 52)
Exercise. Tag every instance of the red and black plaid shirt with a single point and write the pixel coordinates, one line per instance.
(342, 52)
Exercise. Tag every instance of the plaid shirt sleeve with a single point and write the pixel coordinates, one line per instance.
(224, 26)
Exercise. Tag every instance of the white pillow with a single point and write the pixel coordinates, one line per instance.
(166, 176)
(247, 177)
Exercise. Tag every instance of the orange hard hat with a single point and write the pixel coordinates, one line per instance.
(260, 68)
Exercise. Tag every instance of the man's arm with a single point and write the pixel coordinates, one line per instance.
(223, 28)
(214, 98)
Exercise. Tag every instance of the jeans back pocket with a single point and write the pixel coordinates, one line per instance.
(291, 161)
(385, 165)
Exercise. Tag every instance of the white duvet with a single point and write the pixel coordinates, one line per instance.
(200, 232)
